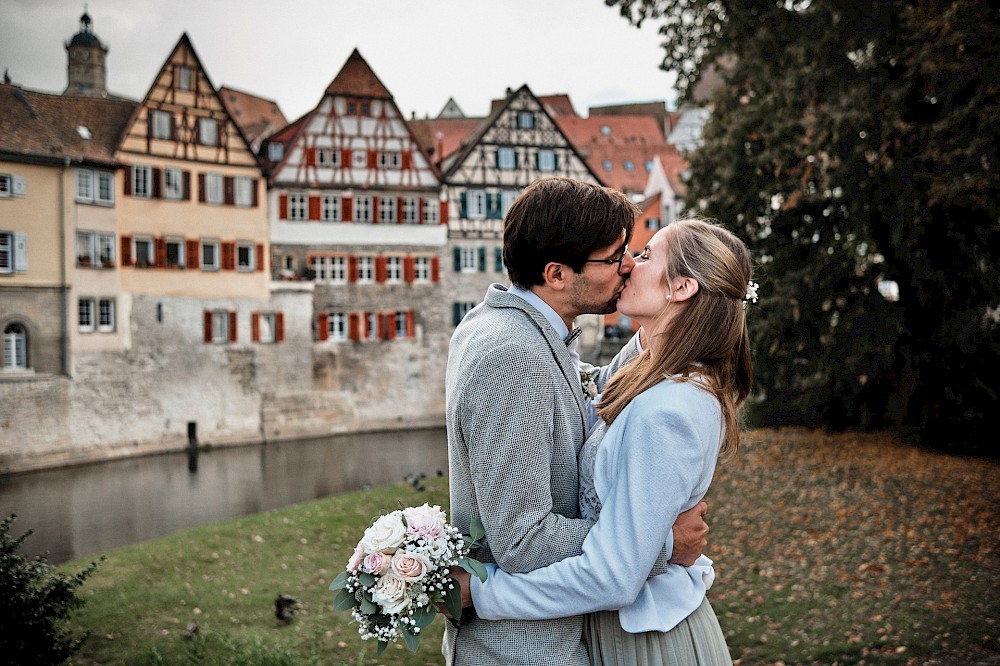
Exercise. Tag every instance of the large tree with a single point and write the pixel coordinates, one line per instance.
(854, 145)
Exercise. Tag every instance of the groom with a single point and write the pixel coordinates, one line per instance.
(516, 407)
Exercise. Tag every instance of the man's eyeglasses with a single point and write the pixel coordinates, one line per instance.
(618, 261)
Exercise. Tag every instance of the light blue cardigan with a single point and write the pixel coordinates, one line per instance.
(655, 461)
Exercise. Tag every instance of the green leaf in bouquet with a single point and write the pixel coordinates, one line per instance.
(382, 645)
(424, 615)
(453, 600)
(474, 567)
(367, 606)
(411, 639)
(344, 600)
(340, 582)
(476, 529)
(366, 579)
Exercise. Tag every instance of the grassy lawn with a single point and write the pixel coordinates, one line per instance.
(839, 549)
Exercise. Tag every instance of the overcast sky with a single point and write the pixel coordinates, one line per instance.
(424, 51)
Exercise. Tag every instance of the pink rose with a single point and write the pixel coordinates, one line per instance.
(376, 563)
(410, 567)
(426, 521)
(356, 559)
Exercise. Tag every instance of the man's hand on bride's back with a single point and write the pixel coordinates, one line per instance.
(690, 535)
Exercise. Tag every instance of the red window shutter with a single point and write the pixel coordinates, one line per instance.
(254, 202)
(232, 326)
(228, 190)
(283, 207)
(444, 211)
(228, 256)
(260, 256)
(399, 209)
(173, 127)
(157, 183)
(201, 187)
(127, 173)
(381, 270)
(352, 269)
(313, 207)
(375, 207)
(372, 159)
(323, 326)
(346, 209)
(354, 326)
(420, 210)
(160, 253)
(435, 269)
(126, 250)
(408, 269)
(390, 325)
(279, 327)
(255, 327)
(380, 327)
(407, 159)
(208, 325)
(409, 324)
(345, 158)
(310, 154)
(192, 260)
(186, 185)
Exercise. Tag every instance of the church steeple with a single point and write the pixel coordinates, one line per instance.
(86, 73)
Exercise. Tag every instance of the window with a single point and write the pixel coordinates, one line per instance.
(330, 269)
(175, 252)
(431, 207)
(337, 326)
(100, 318)
(275, 151)
(649, 166)
(173, 184)
(6, 185)
(359, 159)
(507, 198)
(469, 262)
(95, 249)
(213, 188)
(15, 347)
(605, 130)
(183, 77)
(245, 251)
(459, 310)
(653, 223)
(390, 160)
(160, 123)
(220, 327)
(506, 158)
(371, 326)
(106, 315)
(13, 252)
(142, 181)
(142, 250)
(366, 269)
(84, 185)
(629, 166)
(401, 318)
(330, 211)
(546, 160)
(210, 255)
(607, 165)
(363, 209)
(95, 187)
(297, 206)
(267, 327)
(208, 132)
(85, 315)
(475, 205)
(525, 120)
(410, 205)
(394, 270)
(422, 270)
(244, 191)
(328, 157)
(105, 188)
(387, 209)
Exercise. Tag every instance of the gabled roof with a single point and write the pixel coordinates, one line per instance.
(357, 79)
(673, 166)
(256, 116)
(52, 128)
(443, 136)
(555, 105)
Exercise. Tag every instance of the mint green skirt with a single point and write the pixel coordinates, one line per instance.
(697, 641)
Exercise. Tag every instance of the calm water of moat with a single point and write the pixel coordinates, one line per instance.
(81, 511)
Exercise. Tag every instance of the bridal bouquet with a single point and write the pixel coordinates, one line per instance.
(398, 574)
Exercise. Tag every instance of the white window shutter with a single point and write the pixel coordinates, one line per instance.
(19, 187)
(21, 252)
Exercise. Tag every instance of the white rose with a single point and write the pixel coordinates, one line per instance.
(410, 567)
(437, 548)
(426, 521)
(387, 532)
(390, 593)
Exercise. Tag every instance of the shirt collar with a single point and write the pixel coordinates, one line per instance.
(535, 301)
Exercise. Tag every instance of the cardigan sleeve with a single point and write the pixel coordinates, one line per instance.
(656, 458)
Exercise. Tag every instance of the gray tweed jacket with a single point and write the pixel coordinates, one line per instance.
(516, 422)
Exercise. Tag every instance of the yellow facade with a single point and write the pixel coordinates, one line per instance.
(36, 214)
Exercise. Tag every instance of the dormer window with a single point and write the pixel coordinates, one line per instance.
(275, 151)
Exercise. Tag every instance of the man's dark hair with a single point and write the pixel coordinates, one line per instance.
(562, 220)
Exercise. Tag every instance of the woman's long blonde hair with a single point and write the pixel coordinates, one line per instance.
(708, 337)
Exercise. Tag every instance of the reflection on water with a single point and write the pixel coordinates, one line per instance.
(81, 511)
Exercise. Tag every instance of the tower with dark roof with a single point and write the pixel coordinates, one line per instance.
(86, 73)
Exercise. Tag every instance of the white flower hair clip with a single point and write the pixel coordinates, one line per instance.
(751, 296)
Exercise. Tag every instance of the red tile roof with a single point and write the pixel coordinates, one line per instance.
(256, 116)
(356, 79)
(441, 137)
(555, 105)
(53, 128)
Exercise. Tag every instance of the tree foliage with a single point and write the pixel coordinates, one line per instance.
(853, 144)
(35, 602)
